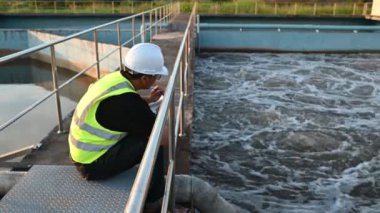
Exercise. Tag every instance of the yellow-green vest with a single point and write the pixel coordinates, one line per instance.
(88, 140)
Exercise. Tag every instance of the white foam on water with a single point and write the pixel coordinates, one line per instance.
(289, 132)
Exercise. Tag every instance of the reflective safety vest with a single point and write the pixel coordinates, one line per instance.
(88, 140)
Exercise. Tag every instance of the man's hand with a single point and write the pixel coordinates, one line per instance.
(155, 94)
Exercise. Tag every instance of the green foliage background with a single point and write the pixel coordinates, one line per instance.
(267, 7)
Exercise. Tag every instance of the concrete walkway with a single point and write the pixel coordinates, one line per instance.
(54, 150)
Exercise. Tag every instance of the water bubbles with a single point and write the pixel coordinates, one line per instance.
(309, 142)
(289, 132)
(364, 90)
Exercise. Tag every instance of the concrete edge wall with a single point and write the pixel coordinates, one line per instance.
(13, 40)
(75, 54)
(289, 41)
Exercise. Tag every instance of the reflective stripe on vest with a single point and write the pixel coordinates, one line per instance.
(87, 146)
(88, 139)
(98, 132)
(111, 89)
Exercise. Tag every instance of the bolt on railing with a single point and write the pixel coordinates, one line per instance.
(95, 65)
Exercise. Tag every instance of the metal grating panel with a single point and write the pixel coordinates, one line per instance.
(61, 189)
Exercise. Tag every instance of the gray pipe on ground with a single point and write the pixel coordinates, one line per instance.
(190, 189)
(8, 179)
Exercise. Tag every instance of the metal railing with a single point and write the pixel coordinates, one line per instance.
(175, 126)
(80, 6)
(257, 7)
(157, 17)
(281, 27)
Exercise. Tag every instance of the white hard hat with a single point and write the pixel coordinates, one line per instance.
(146, 58)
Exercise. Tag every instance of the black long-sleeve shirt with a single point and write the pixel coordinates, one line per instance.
(127, 112)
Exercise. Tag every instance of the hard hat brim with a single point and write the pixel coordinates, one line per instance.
(164, 71)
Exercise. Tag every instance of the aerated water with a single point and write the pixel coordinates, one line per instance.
(289, 132)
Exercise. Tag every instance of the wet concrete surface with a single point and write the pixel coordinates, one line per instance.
(54, 149)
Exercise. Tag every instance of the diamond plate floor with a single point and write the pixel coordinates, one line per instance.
(61, 189)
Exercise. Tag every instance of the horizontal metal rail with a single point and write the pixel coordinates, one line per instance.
(73, 6)
(7, 59)
(257, 7)
(142, 181)
(59, 30)
(206, 26)
(18, 152)
(46, 45)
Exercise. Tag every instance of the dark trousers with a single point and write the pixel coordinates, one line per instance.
(122, 156)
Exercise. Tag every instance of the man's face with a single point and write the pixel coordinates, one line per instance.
(149, 80)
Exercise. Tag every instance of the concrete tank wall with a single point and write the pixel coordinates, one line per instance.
(270, 40)
(13, 39)
(75, 54)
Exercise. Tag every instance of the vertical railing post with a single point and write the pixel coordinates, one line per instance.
(17, 5)
(182, 88)
(55, 6)
(55, 86)
(175, 10)
(132, 8)
(133, 30)
(365, 8)
(35, 6)
(74, 7)
(168, 13)
(97, 54)
(334, 9)
(150, 27)
(165, 14)
(315, 9)
(172, 12)
(120, 46)
(236, 7)
(142, 28)
(354, 9)
(155, 22)
(197, 35)
(179, 8)
(93, 7)
(172, 150)
(256, 7)
(275, 8)
(171, 16)
(295, 8)
(160, 19)
(187, 60)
